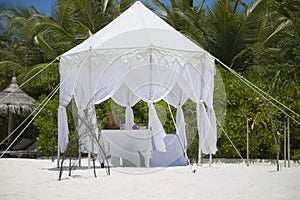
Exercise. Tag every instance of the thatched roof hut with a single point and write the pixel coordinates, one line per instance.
(14, 101)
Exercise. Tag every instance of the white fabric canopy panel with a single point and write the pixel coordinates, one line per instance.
(138, 57)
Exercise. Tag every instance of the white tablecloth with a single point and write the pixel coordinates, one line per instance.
(132, 145)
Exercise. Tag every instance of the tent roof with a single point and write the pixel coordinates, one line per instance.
(137, 27)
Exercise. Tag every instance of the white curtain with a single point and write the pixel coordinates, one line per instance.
(210, 73)
(63, 129)
(125, 97)
(151, 81)
(197, 83)
(68, 70)
(89, 77)
(177, 98)
(99, 79)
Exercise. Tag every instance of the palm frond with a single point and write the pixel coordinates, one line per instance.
(224, 26)
(199, 7)
(8, 54)
(10, 64)
(279, 28)
(45, 47)
(51, 71)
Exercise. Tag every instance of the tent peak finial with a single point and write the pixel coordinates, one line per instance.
(138, 2)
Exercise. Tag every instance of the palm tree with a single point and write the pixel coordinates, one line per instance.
(230, 30)
(238, 29)
(72, 22)
(185, 16)
(16, 48)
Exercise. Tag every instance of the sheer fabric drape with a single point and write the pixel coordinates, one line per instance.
(177, 99)
(126, 98)
(150, 74)
(151, 81)
(197, 82)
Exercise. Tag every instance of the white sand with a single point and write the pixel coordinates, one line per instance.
(37, 179)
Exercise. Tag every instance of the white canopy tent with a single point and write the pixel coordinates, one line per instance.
(136, 57)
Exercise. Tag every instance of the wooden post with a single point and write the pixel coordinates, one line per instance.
(284, 145)
(247, 142)
(288, 142)
(58, 156)
(10, 127)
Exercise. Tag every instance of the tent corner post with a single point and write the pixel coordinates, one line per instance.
(89, 160)
(79, 155)
(58, 156)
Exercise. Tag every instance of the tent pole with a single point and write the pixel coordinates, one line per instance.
(89, 160)
(199, 118)
(210, 159)
(149, 118)
(79, 155)
(148, 157)
(58, 156)
(147, 162)
(199, 152)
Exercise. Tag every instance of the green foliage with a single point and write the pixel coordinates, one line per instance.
(190, 116)
(102, 111)
(296, 154)
(243, 103)
(46, 123)
(141, 110)
(42, 83)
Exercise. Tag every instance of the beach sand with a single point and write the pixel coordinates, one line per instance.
(30, 179)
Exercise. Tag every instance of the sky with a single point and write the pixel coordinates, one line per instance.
(44, 6)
